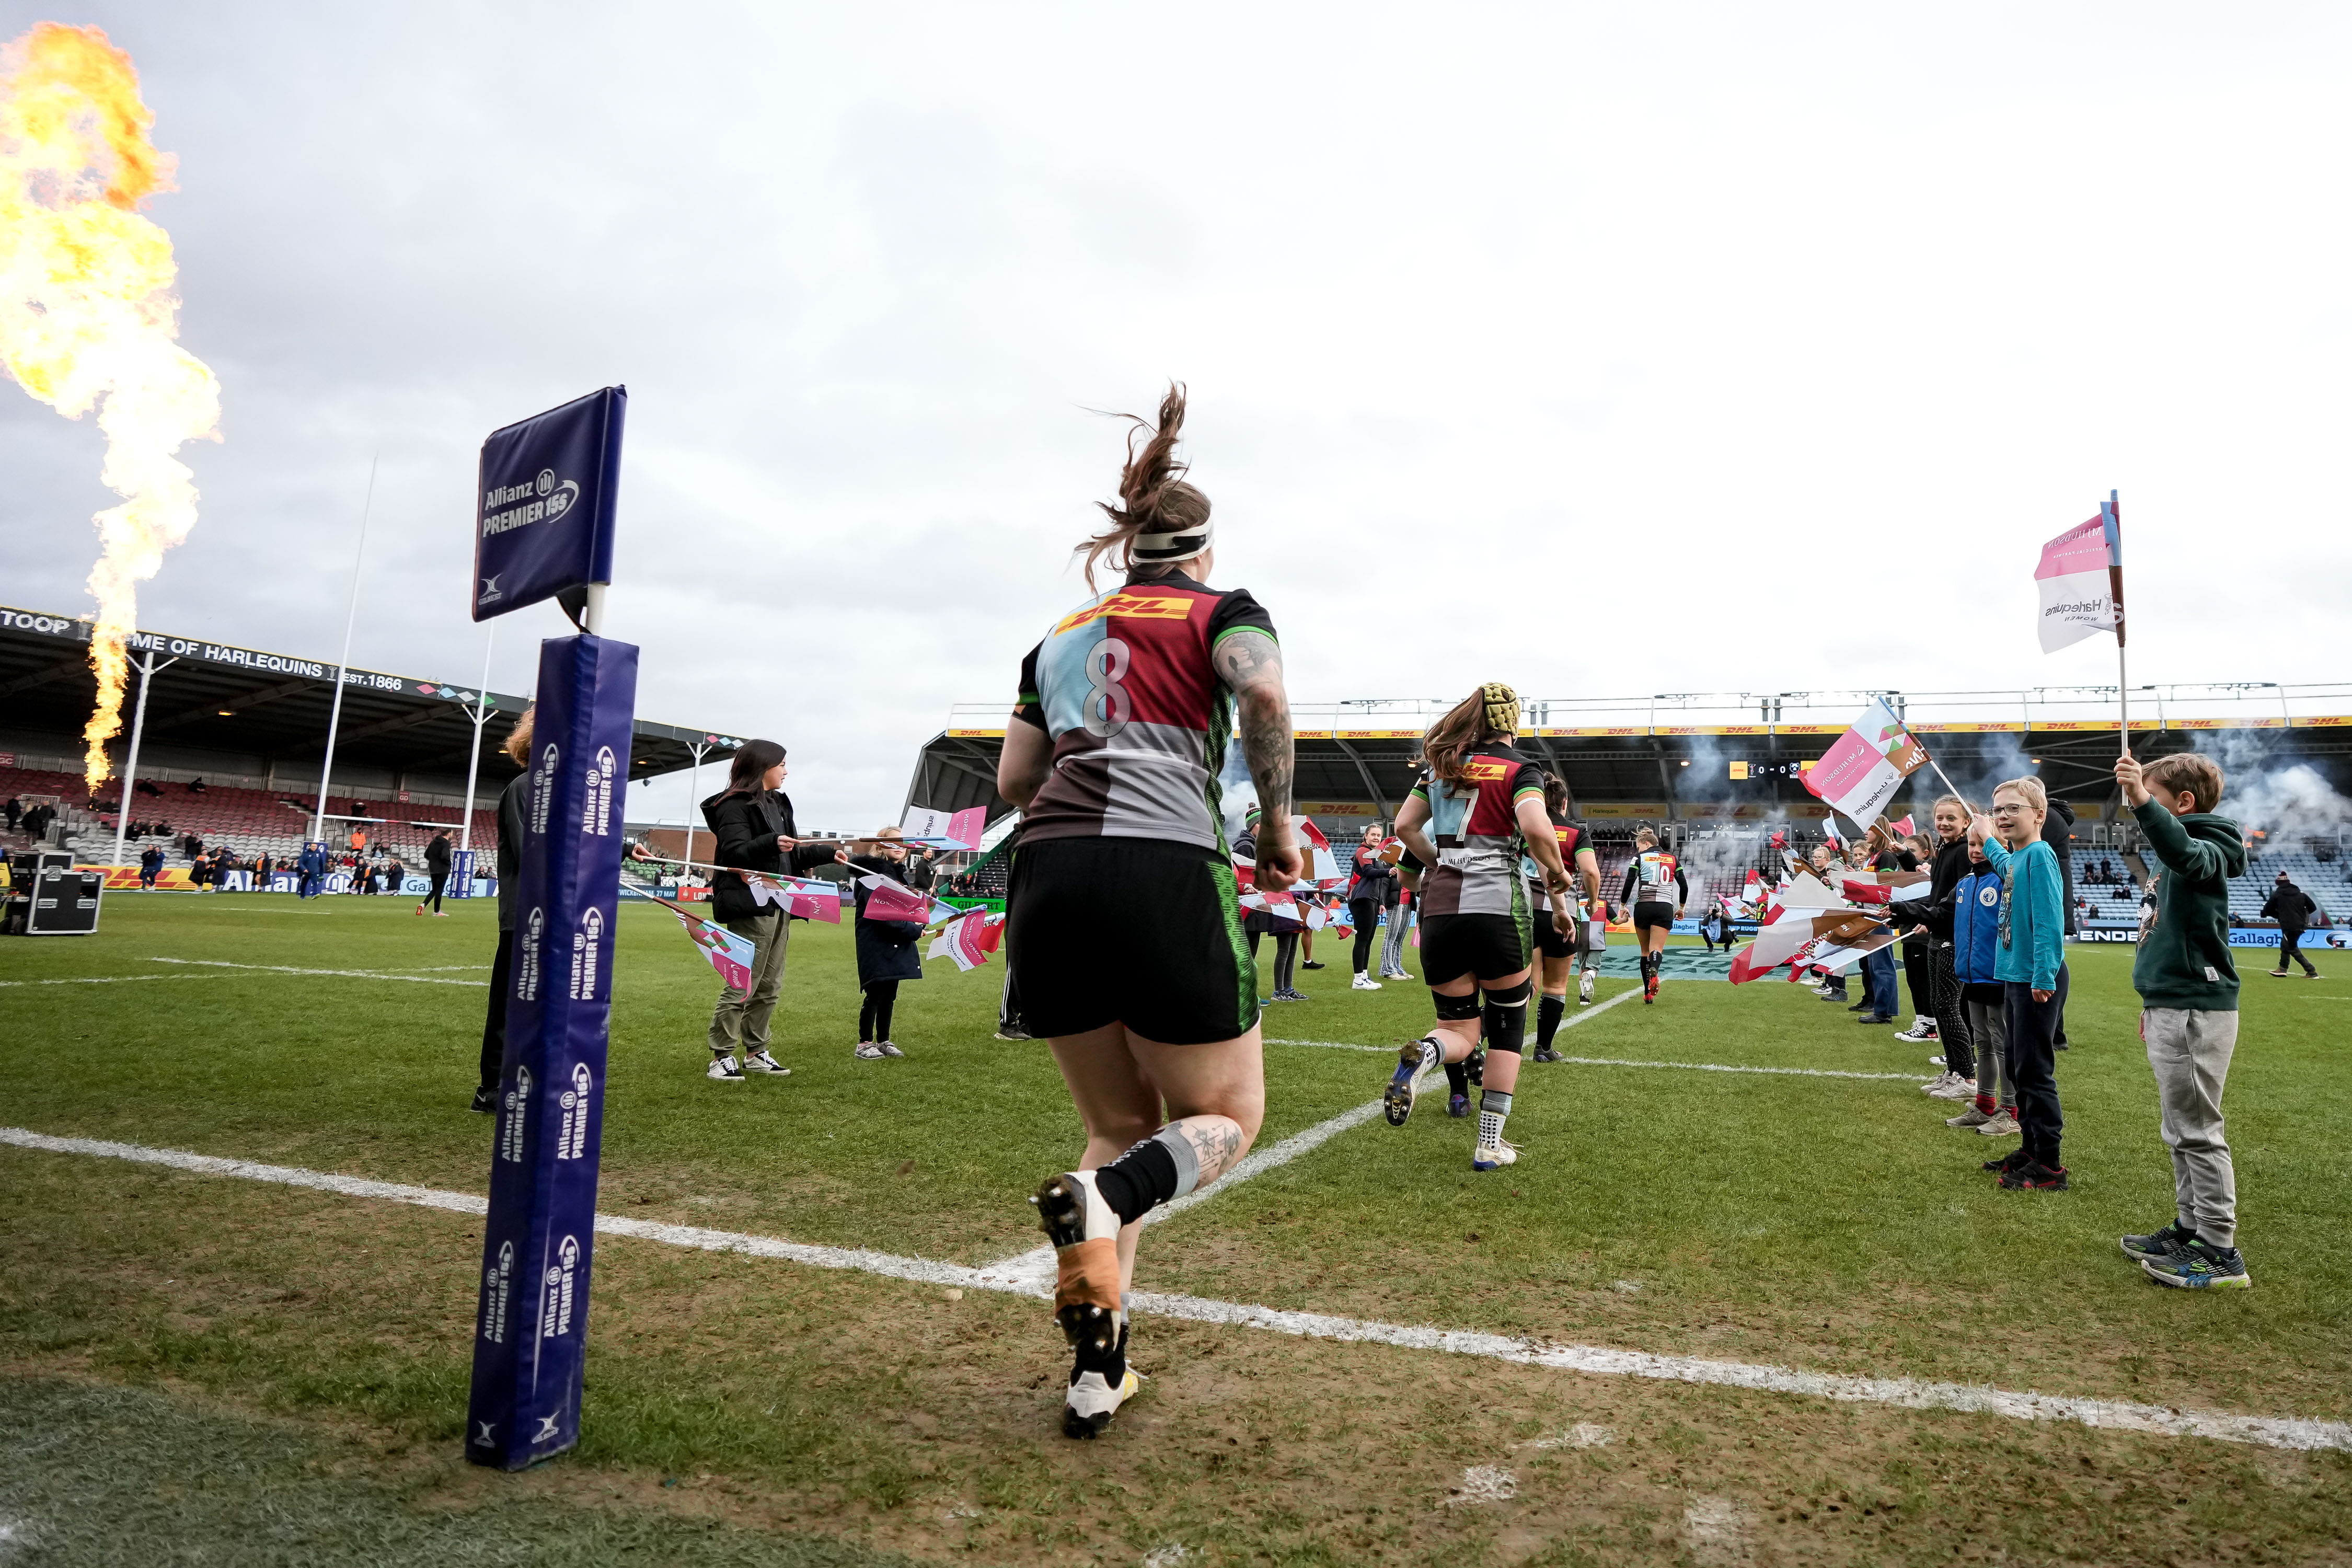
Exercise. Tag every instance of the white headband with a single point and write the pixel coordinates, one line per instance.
(1169, 547)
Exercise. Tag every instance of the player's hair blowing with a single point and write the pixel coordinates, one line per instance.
(750, 767)
(1153, 496)
(1467, 724)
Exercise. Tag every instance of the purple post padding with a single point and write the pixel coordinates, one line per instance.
(531, 1330)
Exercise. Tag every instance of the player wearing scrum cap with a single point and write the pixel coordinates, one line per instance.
(1125, 943)
(1478, 808)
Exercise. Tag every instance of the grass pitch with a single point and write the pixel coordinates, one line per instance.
(275, 1341)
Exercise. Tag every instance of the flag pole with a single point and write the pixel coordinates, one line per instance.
(2116, 591)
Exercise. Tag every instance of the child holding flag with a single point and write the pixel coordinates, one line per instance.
(2032, 966)
(2188, 997)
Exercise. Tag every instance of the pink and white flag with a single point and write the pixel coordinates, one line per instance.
(1796, 935)
(1323, 867)
(889, 900)
(730, 954)
(969, 939)
(2081, 582)
(944, 830)
(809, 898)
(1861, 773)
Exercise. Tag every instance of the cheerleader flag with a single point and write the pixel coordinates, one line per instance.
(810, 897)
(889, 900)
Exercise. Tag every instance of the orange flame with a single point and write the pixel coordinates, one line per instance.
(88, 314)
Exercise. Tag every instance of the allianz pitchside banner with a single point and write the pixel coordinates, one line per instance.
(543, 520)
(531, 1330)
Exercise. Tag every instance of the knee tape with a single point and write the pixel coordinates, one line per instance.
(1457, 1008)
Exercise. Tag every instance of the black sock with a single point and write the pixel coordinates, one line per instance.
(1139, 1181)
(1548, 1016)
(1458, 1077)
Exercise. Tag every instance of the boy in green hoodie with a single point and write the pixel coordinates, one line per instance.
(2188, 998)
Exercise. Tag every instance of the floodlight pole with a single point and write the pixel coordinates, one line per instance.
(480, 714)
(693, 789)
(131, 760)
(342, 670)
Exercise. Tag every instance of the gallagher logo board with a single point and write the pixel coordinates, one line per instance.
(543, 521)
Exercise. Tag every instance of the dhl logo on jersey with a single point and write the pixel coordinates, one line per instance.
(1483, 769)
(1135, 607)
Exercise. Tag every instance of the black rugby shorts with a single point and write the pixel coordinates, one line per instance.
(1139, 932)
(1485, 947)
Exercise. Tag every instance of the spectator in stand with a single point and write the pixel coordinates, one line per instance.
(150, 865)
(2293, 908)
(436, 866)
(196, 786)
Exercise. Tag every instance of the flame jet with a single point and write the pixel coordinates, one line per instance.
(88, 316)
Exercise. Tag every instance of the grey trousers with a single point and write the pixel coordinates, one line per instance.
(1988, 1032)
(1392, 944)
(2190, 1051)
(741, 1016)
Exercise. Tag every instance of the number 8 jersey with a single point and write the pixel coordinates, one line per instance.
(1139, 717)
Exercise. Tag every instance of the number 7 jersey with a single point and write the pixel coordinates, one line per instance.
(1139, 717)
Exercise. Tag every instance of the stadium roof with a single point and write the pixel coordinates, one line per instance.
(1669, 755)
(218, 695)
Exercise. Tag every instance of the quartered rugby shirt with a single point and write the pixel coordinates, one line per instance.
(1476, 828)
(1571, 836)
(1138, 716)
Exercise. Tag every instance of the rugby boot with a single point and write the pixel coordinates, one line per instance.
(1084, 1229)
(1494, 1156)
(1457, 1106)
(1396, 1101)
(1100, 1382)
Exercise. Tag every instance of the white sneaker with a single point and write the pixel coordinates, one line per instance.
(890, 1049)
(1584, 987)
(2002, 1125)
(1959, 1089)
(1400, 972)
(1487, 1156)
(1364, 982)
(1934, 1061)
(760, 1062)
(870, 1051)
(1921, 1031)
(724, 1070)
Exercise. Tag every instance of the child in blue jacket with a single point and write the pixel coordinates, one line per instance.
(2033, 970)
(1976, 955)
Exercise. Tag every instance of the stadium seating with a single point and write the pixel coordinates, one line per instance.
(252, 822)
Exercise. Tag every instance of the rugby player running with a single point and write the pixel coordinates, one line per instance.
(1125, 944)
(1478, 808)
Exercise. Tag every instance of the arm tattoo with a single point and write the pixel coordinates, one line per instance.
(1251, 663)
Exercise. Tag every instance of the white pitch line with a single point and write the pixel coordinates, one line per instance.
(110, 979)
(1911, 1394)
(346, 973)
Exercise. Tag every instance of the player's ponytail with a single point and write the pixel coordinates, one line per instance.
(1161, 519)
(1491, 712)
(1555, 795)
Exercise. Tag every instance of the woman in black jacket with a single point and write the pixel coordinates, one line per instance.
(752, 820)
(1374, 889)
(886, 949)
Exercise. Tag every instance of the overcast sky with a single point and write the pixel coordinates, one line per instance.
(1602, 350)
